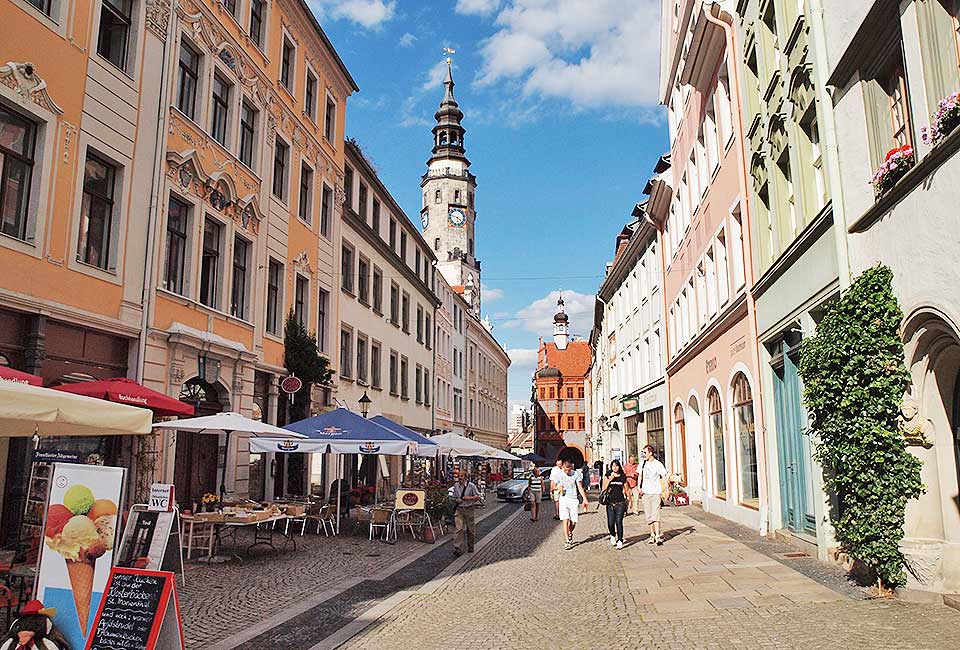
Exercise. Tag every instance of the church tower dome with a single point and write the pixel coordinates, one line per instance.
(561, 326)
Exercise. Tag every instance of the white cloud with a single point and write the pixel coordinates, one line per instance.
(537, 317)
(594, 53)
(369, 14)
(490, 294)
(522, 358)
(435, 76)
(407, 40)
(479, 7)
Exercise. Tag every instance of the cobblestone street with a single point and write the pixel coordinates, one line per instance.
(702, 589)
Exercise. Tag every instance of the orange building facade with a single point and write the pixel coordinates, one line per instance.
(172, 187)
(559, 385)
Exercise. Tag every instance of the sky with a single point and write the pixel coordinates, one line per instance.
(563, 129)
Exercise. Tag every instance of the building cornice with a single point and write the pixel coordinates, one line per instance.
(732, 314)
(300, 6)
(807, 237)
(878, 29)
(626, 261)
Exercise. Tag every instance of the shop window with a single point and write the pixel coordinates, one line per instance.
(17, 140)
(715, 419)
(653, 420)
(746, 441)
(96, 212)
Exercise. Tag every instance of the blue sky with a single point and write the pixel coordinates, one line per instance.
(563, 129)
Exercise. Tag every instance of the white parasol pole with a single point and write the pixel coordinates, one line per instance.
(339, 490)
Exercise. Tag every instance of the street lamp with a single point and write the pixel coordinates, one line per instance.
(365, 404)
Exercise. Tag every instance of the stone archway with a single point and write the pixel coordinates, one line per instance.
(932, 528)
(197, 456)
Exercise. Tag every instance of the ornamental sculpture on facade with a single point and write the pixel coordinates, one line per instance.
(23, 78)
(915, 428)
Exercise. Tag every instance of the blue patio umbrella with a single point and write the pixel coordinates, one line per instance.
(425, 446)
(340, 431)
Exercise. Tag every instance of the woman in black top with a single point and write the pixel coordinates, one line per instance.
(615, 484)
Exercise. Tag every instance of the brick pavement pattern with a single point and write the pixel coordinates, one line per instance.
(702, 589)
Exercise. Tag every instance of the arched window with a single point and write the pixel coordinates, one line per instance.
(443, 137)
(680, 429)
(436, 197)
(715, 415)
(746, 441)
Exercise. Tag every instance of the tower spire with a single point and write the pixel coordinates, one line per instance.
(448, 97)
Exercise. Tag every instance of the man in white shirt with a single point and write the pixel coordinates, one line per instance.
(652, 472)
(566, 488)
(555, 475)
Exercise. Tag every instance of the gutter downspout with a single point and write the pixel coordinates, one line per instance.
(734, 71)
(149, 281)
(829, 135)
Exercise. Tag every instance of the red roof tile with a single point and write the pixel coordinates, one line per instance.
(572, 362)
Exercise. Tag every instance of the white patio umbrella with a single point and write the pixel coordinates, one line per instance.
(453, 444)
(227, 423)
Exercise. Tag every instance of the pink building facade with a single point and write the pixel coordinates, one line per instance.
(699, 201)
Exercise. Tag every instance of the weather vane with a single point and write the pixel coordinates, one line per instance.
(448, 51)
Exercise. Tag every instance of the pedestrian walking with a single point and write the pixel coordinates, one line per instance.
(465, 495)
(567, 488)
(651, 490)
(535, 490)
(633, 484)
(617, 497)
(555, 474)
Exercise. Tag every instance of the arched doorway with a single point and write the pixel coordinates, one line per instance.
(693, 426)
(680, 431)
(573, 454)
(197, 456)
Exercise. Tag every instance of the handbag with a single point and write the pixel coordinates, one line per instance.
(528, 506)
(605, 497)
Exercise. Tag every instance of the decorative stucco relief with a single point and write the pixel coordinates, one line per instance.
(25, 81)
(158, 17)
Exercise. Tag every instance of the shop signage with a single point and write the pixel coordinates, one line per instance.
(80, 531)
(738, 346)
(291, 384)
(140, 611)
(711, 364)
(411, 500)
(617, 454)
(594, 478)
(369, 448)
(161, 497)
(630, 404)
(50, 456)
(145, 538)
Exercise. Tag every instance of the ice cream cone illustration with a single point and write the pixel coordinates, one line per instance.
(81, 530)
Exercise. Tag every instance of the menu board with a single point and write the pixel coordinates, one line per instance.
(138, 612)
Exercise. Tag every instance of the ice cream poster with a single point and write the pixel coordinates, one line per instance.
(80, 531)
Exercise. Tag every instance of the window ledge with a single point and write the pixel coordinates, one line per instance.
(923, 169)
(305, 223)
(345, 378)
(348, 292)
(377, 388)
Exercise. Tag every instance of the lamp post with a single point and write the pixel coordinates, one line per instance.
(365, 404)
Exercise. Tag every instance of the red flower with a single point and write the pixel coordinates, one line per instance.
(905, 149)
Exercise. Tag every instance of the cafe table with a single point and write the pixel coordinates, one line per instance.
(264, 532)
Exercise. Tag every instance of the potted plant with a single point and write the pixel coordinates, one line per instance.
(894, 167)
(945, 120)
(210, 502)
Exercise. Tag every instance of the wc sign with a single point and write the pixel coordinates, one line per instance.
(161, 498)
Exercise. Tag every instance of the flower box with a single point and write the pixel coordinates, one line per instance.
(944, 121)
(894, 167)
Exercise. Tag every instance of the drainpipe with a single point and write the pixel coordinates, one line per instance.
(828, 133)
(149, 280)
(733, 69)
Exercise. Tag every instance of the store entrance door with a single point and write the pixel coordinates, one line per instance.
(197, 457)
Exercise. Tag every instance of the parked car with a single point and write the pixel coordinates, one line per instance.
(517, 489)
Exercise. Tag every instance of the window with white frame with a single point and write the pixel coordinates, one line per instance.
(288, 59)
(346, 353)
(737, 250)
(301, 300)
(188, 76)
(724, 106)
(178, 227)
(711, 136)
(310, 96)
(240, 278)
(281, 160)
(18, 136)
(210, 262)
(220, 109)
(274, 296)
(323, 316)
(97, 212)
(256, 22)
(723, 282)
(305, 200)
(326, 210)
(346, 268)
(710, 269)
(330, 120)
(115, 27)
(248, 133)
(362, 345)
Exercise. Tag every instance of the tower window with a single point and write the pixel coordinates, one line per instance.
(436, 244)
(456, 195)
(443, 137)
(436, 197)
(470, 245)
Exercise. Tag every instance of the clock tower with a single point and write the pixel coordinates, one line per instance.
(448, 214)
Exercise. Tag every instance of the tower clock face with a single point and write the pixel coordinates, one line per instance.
(457, 217)
(425, 218)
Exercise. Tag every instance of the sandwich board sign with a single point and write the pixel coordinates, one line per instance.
(139, 611)
(161, 498)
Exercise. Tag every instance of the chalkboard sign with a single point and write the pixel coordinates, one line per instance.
(139, 611)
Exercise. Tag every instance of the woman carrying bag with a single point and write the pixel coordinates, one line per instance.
(616, 497)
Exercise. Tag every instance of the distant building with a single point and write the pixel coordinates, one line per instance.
(560, 416)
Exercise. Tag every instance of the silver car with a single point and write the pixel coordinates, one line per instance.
(518, 489)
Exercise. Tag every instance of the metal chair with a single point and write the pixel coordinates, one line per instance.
(383, 518)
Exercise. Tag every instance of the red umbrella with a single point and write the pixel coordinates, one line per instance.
(9, 374)
(127, 391)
